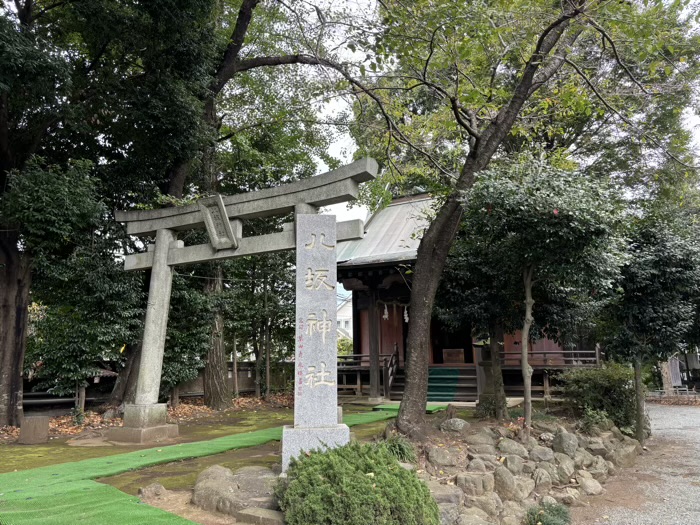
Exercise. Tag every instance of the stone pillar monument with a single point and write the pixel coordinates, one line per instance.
(315, 391)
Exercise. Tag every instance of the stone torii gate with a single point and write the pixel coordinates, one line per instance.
(313, 236)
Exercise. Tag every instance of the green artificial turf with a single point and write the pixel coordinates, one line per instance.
(430, 408)
(65, 494)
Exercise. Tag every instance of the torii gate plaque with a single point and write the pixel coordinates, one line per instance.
(313, 236)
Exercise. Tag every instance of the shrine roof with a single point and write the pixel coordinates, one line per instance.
(392, 234)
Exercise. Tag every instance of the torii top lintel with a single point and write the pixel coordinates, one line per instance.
(339, 185)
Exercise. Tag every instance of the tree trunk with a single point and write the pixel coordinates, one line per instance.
(499, 391)
(80, 398)
(432, 255)
(525, 348)
(437, 239)
(217, 394)
(175, 397)
(639, 397)
(268, 321)
(128, 376)
(256, 353)
(15, 280)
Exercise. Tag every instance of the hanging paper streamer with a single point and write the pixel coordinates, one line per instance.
(405, 314)
(386, 313)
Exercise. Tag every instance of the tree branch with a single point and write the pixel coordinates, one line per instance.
(227, 68)
(627, 121)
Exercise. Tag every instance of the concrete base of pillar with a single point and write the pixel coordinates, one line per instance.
(144, 424)
(297, 440)
(377, 400)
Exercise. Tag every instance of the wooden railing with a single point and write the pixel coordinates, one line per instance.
(358, 360)
(389, 371)
(553, 359)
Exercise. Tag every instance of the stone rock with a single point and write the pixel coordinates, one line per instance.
(616, 433)
(548, 500)
(490, 503)
(543, 481)
(449, 494)
(504, 484)
(529, 467)
(33, 430)
(154, 490)
(475, 483)
(567, 496)
(546, 437)
(599, 469)
(476, 465)
(510, 520)
(530, 443)
(442, 457)
(482, 450)
(565, 443)
(589, 486)
(257, 516)
(488, 459)
(542, 454)
(565, 468)
(514, 464)
(449, 513)
(597, 448)
(481, 438)
(625, 454)
(582, 441)
(525, 487)
(508, 446)
(454, 425)
(612, 469)
(218, 489)
(583, 458)
(545, 426)
(551, 469)
(512, 511)
(470, 519)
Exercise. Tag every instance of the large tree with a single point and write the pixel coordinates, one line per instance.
(457, 88)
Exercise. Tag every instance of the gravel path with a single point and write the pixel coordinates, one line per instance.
(664, 486)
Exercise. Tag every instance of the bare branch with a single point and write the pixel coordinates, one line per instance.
(627, 121)
(228, 64)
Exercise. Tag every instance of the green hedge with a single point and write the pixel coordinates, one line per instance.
(356, 484)
(609, 389)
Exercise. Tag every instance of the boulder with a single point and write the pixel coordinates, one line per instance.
(449, 513)
(540, 453)
(599, 469)
(473, 516)
(551, 469)
(454, 425)
(490, 503)
(218, 489)
(475, 483)
(625, 454)
(476, 465)
(548, 500)
(529, 467)
(443, 457)
(567, 496)
(256, 516)
(525, 487)
(543, 481)
(483, 450)
(565, 467)
(565, 443)
(508, 446)
(545, 426)
(512, 512)
(583, 458)
(481, 438)
(597, 448)
(514, 464)
(504, 484)
(589, 486)
(154, 490)
(446, 494)
(547, 437)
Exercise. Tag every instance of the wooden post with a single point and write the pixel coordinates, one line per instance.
(373, 347)
(81, 398)
(175, 397)
(547, 395)
(235, 367)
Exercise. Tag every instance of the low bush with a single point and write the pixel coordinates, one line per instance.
(609, 389)
(548, 514)
(400, 447)
(354, 485)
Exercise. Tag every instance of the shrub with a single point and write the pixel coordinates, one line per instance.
(400, 447)
(609, 389)
(354, 485)
(548, 514)
(593, 418)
